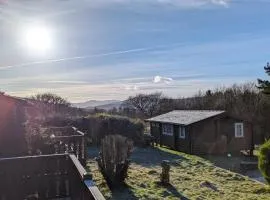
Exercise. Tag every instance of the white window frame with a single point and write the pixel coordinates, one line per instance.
(236, 134)
(182, 132)
(165, 129)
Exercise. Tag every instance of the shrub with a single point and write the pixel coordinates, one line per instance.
(113, 160)
(59, 121)
(38, 140)
(100, 125)
(264, 160)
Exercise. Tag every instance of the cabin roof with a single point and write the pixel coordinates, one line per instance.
(185, 117)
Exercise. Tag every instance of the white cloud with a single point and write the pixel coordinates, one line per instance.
(221, 2)
(161, 79)
(131, 87)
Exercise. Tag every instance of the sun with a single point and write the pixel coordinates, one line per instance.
(37, 39)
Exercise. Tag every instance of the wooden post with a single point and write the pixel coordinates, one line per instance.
(165, 174)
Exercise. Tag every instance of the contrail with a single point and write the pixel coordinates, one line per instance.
(88, 56)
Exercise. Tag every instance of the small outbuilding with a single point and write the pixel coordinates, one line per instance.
(14, 112)
(202, 132)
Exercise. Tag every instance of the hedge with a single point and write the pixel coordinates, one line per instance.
(99, 125)
(264, 160)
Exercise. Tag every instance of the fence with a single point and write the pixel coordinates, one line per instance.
(46, 177)
(69, 140)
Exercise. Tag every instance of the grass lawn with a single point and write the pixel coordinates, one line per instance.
(188, 172)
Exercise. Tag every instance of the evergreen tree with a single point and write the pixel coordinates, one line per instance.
(264, 85)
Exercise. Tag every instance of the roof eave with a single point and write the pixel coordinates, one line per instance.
(165, 122)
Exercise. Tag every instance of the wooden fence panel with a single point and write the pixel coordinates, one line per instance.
(43, 177)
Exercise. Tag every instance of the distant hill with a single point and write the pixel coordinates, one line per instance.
(106, 104)
(109, 106)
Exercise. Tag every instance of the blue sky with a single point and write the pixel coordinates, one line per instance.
(111, 49)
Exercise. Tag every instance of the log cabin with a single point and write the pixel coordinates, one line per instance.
(202, 132)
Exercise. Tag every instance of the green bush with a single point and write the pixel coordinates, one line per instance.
(100, 125)
(264, 160)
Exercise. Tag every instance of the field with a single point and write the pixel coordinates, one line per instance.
(192, 177)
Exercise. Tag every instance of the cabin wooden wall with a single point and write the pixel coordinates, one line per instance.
(217, 136)
(234, 144)
(211, 136)
(167, 140)
(182, 144)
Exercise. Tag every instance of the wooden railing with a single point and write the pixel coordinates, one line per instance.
(54, 176)
(69, 140)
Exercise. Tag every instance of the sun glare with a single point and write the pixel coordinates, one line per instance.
(37, 39)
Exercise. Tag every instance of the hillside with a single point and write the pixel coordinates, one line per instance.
(189, 174)
(109, 106)
(94, 103)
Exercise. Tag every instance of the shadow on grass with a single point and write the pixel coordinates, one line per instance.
(123, 192)
(153, 156)
(92, 152)
(145, 157)
(174, 191)
(171, 190)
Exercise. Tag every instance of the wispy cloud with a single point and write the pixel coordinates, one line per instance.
(180, 3)
(131, 87)
(91, 56)
(104, 91)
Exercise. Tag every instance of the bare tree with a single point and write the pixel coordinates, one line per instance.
(51, 104)
(147, 104)
(49, 98)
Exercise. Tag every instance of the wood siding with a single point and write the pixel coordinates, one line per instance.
(234, 144)
(167, 140)
(206, 138)
(211, 136)
(182, 144)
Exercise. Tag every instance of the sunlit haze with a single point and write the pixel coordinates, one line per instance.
(37, 38)
(105, 49)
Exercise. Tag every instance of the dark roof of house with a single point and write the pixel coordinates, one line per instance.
(185, 117)
(22, 101)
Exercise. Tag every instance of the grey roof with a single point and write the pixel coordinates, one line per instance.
(185, 117)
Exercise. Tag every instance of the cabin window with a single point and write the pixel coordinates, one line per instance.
(182, 132)
(167, 129)
(239, 130)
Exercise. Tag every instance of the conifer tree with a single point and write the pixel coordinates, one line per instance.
(264, 85)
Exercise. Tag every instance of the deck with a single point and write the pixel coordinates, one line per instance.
(56, 176)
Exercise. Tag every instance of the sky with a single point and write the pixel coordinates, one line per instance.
(111, 49)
